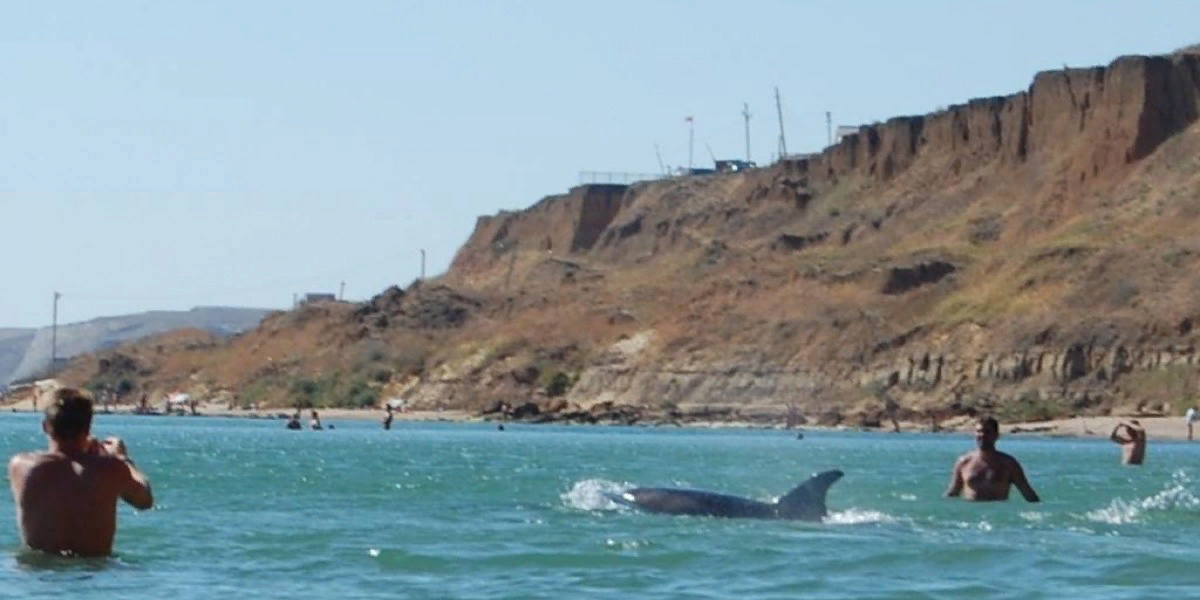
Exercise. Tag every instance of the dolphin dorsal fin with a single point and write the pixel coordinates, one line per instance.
(807, 500)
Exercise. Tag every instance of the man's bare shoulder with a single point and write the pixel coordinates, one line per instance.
(20, 464)
(24, 460)
(27, 461)
(1008, 459)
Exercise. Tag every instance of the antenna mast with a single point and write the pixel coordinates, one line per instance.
(658, 154)
(691, 140)
(746, 115)
(782, 140)
(54, 337)
(829, 126)
(710, 153)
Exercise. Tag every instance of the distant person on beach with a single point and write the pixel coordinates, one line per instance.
(294, 423)
(986, 474)
(66, 497)
(387, 421)
(316, 421)
(1133, 443)
(1191, 416)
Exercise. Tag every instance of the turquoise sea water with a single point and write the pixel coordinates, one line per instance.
(248, 509)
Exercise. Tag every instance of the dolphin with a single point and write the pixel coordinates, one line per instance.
(805, 502)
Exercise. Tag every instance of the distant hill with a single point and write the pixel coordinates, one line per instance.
(26, 352)
(13, 343)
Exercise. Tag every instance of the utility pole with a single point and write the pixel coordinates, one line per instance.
(295, 300)
(422, 264)
(54, 336)
(342, 291)
(782, 140)
(658, 154)
(829, 127)
(691, 140)
(746, 116)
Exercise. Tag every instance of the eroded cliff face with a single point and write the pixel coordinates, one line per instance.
(938, 263)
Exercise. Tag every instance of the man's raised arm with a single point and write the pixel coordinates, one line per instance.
(1117, 437)
(134, 485)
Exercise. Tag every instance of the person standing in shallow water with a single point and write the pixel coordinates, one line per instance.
(987, 474)
(1133, 442)
(387, 421)
(66, 497)
(316, 421)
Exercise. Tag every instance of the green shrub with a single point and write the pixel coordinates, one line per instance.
(558, 385)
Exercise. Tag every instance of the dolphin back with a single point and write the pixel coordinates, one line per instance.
(807, 500)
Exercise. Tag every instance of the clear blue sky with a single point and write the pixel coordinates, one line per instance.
(161, 155)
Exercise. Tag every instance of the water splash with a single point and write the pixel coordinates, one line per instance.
(594, 494)
(625, 544)
(854, 516)
(1176, 496)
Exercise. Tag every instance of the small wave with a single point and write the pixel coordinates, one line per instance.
(1175, 496)
(625, 544)
(593, 494)
(853, 516)
(981, 525)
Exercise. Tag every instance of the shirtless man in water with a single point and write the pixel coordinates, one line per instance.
(66, 497)
(986, 474)
(1133, 442)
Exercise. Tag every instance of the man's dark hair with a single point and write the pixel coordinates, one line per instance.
(989, 423)
(69, 413)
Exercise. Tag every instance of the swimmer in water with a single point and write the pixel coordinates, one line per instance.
(987, 474)
(1133, 442)
(66, 497)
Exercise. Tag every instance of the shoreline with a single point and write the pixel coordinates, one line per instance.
(1157, 428)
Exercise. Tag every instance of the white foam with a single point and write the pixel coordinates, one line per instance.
(593, 494)
(626, 544)
(854, 516)
(1175, 496)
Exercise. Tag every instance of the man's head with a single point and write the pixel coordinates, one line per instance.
(69, 415)
(986, 432)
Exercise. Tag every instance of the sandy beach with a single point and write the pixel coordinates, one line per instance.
(327, 414)
(1160, 428)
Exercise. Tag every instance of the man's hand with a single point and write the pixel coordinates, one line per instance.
(115, 446)
(111, 446)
